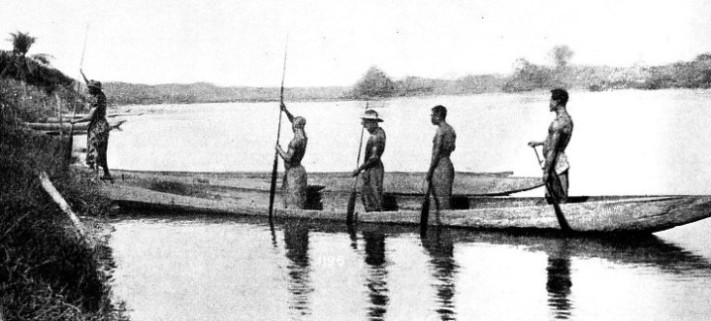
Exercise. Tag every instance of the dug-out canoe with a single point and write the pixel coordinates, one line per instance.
(594, 214)
(396, 184)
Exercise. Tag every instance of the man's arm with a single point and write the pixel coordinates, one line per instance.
(549, 165)
(286, 111)
(436, 154)
(84, 76)
(85, 118)
(285, 155)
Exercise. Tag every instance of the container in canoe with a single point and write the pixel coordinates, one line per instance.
(601, 214)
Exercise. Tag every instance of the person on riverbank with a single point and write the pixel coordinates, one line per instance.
(97, 141)
(441, 170)
(372, 170)
(555, 165)
(294, 184)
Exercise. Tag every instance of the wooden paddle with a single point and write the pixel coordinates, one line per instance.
(272, 188)
(556, 206)
(425, 210)
(352, 199)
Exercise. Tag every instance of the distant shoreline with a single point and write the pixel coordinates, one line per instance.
(375, 84)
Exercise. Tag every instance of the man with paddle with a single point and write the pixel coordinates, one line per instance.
(441, 171)
(555, 164)
(372, 170)
(98, 132)
(295, 181)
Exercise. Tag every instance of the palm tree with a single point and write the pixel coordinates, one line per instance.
(17, 64)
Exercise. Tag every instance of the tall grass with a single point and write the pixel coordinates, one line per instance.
(46, 271)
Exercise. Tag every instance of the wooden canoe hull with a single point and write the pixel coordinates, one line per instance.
(397, 184)
(66, 127)
(621, 214)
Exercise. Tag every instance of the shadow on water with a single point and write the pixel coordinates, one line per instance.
(439, 243)
(440, 246)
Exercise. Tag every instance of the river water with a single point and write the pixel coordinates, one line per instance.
(194, 267)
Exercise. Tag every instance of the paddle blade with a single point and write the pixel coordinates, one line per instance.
(425, 214)
(351, 208)
(272, 187)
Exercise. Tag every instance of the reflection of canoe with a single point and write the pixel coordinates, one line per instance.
(636, 250)
(397, 184)
(604, 214)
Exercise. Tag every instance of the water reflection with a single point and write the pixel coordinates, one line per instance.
(376, 279)
(674, 268)
(559, 282)
(296, 242)
(440, 247)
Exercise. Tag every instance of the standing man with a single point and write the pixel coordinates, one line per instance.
(372, 170)
(97, 141)
(293, 186)
(441, 171)
(555, 167)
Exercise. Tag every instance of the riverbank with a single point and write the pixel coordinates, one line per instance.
(48, 271)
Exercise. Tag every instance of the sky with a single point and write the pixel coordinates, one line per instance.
(334, 42)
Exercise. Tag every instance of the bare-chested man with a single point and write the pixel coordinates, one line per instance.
(293, 186)
(555, 168)
(372, 170)
(441, 171)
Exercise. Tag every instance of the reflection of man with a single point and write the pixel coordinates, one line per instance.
(377, 274)
(372, 170)
(294, 184)
(555, 167)
(441, 171)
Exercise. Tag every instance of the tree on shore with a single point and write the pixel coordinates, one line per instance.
(375, 83)
(31, 69)
(561, 56)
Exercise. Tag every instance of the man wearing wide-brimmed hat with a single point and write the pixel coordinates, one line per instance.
(97, 141)
(293, 187)
(372, 170)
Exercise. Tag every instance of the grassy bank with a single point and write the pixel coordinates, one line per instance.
(47, 271)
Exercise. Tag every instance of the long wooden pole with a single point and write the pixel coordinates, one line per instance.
(556, 206)
(70, 144)
(351, 200)
(52, 191)
(272, 188)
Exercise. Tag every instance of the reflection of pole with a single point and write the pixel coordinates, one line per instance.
(376, 283)
(352, 235)
(441, 250)
(559, 283)
(296, 242)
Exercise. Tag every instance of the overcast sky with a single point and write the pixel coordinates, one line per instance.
(333, 42)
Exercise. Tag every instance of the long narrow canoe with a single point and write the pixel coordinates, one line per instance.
(66, 127)
(396, 184)
(602, 214)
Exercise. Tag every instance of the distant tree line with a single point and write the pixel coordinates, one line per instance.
(529, 76)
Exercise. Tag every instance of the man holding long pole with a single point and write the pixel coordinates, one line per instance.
(295, 180)
(555, 166)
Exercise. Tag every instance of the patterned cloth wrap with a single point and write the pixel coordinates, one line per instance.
(97, 140)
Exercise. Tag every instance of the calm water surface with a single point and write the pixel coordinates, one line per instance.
(229, 268)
